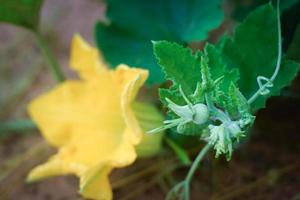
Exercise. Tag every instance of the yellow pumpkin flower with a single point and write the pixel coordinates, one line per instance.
(94, 122)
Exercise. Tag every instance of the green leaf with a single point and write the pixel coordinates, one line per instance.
(195, 73)
(218, 68)
(207, 81)
(254, 51)
(215, 61)
(237, 104)
(179, 64)
(182, 67)
(243, 9)
(127, 37)
(294, 49)
(21, 12)
(171, 93)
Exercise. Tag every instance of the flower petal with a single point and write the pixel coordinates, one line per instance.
(49, 111)
(85, 59)
(131, 80)
(75, 106)
(94, 183)
(53, 167)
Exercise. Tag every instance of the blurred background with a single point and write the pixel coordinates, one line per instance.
(265, 167)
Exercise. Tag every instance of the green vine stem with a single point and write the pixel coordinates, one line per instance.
(194, 167)
(183, 188)
(51, 61)
(275, 73)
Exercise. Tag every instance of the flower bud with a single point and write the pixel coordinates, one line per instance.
(201, 114)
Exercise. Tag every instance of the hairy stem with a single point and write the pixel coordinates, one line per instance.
(275, 73)
(49, 58)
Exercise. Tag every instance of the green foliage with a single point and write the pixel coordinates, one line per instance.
(210, 78)
(294, 49)
(179, 64)
(243, 9)
(127, 37)
(182, 67)
(218, 68)
(21, 12)
(237, 103)
(254, 50)
(197, 74)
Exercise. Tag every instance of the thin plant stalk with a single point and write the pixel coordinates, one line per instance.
(49, 57)
(182, 189)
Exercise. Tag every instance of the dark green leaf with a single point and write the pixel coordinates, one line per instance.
(253, 49)
(127, 37)
(21, 12)
(294, 49)
(242, 9)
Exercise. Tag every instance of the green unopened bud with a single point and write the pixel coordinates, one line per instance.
(183, 112)
(201, 114)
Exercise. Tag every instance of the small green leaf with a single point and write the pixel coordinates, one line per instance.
(237, 103)
(179, 64)
(218, 68)
(127, 37)
(21, 12)
(171, 93)
(215, 61)
(207, 81)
